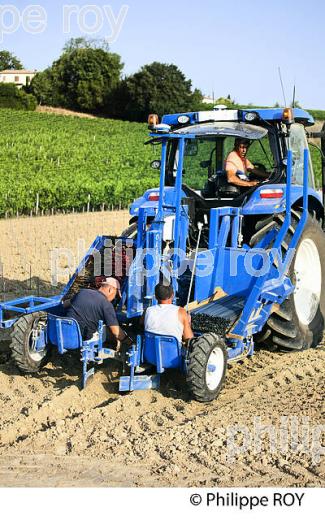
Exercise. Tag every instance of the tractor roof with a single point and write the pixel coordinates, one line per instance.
(249, 115)
(223, 128)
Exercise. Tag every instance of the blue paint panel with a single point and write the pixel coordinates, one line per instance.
(258, 206)
(151, 206)
(172, 119)
(215, 269)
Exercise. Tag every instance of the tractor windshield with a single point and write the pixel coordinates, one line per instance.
(205, 157)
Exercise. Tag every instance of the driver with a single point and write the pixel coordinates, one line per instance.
(239, 168)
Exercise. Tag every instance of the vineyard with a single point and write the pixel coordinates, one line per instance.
(68, 163)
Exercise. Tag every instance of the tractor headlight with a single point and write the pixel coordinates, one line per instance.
(183, 120)
(251, 116)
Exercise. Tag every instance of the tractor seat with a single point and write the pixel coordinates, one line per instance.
(162, 351)
(219, 187)
(64, 333)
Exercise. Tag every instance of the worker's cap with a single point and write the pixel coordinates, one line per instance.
(112, 282)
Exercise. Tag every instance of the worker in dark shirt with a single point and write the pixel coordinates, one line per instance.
(90, 306)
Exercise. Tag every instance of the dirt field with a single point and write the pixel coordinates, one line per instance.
(51, 434)
(27, 243)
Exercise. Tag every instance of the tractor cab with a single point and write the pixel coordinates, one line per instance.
(195, 147)
(205, 157)
(210, 137)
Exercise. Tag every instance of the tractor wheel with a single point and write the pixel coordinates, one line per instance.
(22, 345)
(207, 365)
(298, 323)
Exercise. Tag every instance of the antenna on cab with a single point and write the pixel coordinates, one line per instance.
(283, 93)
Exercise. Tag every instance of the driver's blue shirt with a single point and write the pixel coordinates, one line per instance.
(88, 307)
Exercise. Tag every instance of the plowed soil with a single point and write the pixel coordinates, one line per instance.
(53, 434)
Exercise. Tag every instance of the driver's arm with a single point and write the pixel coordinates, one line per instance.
(233, 179)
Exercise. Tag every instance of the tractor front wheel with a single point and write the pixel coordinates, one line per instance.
(207, 365)
(24, 336)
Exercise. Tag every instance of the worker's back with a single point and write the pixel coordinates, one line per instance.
(164, 319)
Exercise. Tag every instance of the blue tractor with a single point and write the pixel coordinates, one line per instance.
(246, 262)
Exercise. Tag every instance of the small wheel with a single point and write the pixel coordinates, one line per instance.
(207, 367)
(23, 343)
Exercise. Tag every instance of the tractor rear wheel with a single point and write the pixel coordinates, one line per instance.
(298, 323)
(23, 343)
(207, 365)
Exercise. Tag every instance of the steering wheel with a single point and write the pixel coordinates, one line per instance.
(260, 166)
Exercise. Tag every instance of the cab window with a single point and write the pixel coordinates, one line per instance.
(199, 162)
(259, 151)
(297, 144)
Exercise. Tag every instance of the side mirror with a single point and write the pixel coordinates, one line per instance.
(191, 148)
(205, 164)
(155, 165)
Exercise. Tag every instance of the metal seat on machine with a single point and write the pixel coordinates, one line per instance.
(162, 351)
(64, 333)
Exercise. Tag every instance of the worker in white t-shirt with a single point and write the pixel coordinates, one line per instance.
(165, 318)
(239, 168)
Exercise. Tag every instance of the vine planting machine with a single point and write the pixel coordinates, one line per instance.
(246, 262)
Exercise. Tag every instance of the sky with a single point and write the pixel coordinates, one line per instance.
(224, 46)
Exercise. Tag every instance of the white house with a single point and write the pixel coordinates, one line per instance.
(19, 77)
(208, 100)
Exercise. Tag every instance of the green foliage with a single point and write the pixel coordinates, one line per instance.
(42, 88)
(85, 43)
(12, 97)
(318, 115)
(157, 88)
(81, 79)
(64, 159)
(9, 62)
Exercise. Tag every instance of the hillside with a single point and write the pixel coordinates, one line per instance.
(70, 161)
(67, 163)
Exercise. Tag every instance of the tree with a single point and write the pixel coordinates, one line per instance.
(85, 43)
(42, 88)
(81, 79)
(9, 61)
(13, 97)
(228, 102)
(157, 88)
